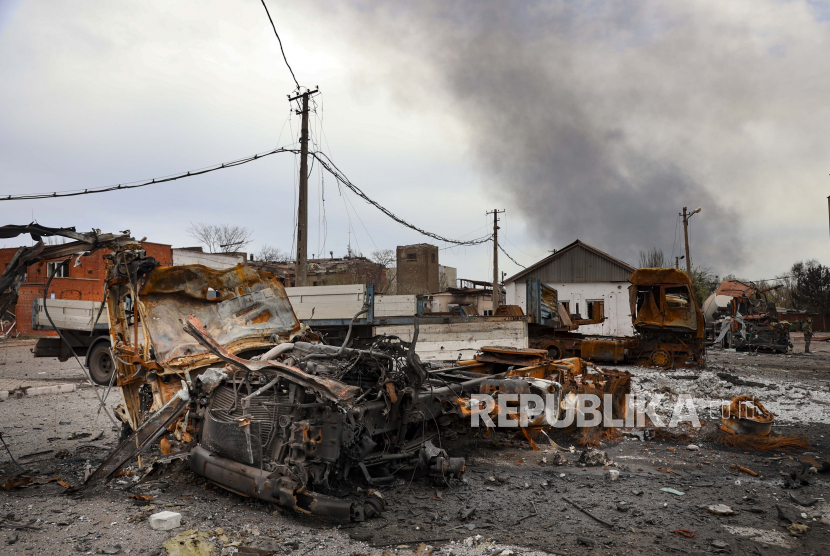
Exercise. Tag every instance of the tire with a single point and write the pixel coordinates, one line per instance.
(554, 352)
(661, 358)
(100, 363)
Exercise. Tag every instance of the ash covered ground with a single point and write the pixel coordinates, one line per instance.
(513, 499)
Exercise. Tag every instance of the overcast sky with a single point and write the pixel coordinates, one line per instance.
(595, 121)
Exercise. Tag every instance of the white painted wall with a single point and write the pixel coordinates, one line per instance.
(460, 341)
(614, 294)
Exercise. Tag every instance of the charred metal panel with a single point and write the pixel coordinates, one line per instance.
(606, 350)
(244, 309)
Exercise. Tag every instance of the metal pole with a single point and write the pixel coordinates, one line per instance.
(686, 236)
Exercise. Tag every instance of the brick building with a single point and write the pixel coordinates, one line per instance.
(418, 269)
(330, 272)
(83, 282)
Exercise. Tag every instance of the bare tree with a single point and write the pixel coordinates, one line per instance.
(653, 258)
(387, 259)
(271, 254)
(220, 238)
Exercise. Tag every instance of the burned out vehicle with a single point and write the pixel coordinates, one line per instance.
(668, 323)
(215, 366)
(666, 317)
(216, 363)
(740, 316)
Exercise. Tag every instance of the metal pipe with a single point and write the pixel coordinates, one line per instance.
(275, 351)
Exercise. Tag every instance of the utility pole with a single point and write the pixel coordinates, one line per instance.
(686, 216)
(677, 261)
(301, 275)
(495, 213)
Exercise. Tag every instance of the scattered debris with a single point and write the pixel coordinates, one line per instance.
(672, 491)
(593, 458)
(685, 533)
(744, 469)
(588, 513)
(190, 543)
(720, 509)
(165, 521)
(805, 503)
(797, 529)
(746, 415)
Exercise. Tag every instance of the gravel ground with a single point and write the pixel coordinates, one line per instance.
(519, 498)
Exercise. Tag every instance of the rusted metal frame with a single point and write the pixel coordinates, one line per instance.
(141, 437)
(332, 389)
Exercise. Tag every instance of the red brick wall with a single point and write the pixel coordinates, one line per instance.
(85, 282)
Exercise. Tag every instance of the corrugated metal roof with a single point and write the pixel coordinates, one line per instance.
(577, 262)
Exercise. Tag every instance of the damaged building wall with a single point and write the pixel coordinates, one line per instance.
(84, 282)
(581, 275)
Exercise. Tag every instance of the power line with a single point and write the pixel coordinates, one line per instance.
(280, 41)
(516, 246)
(511, 258)
(332, 168)
(134, 185)
(321, 157)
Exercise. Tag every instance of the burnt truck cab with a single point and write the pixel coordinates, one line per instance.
(667, 318)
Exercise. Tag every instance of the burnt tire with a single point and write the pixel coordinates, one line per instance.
(100, 363)
(554, 352)
(661, 358)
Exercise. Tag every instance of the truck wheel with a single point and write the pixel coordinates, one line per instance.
(100, 363)
(554, 352)
(661, 358)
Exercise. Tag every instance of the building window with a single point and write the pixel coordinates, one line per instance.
(411, 257)
(433, 257)
(596, 309)
(61, 272)
(488, 312)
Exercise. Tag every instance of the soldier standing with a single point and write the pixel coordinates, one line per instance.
(808, 334)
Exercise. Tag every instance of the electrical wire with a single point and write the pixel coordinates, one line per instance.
(516, 246)
(321, 157)
(332, 168)
(134, 185)
(511, 258)
(280, 41)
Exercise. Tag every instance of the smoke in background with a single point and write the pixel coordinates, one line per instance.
(597, 121)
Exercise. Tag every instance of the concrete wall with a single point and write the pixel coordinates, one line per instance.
(84, 282)
(446, 277)
(613, 294)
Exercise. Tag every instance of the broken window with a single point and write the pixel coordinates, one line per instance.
(433, 257)
(411, 257)
(596, 310)
(60, 270)
(677, 297)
